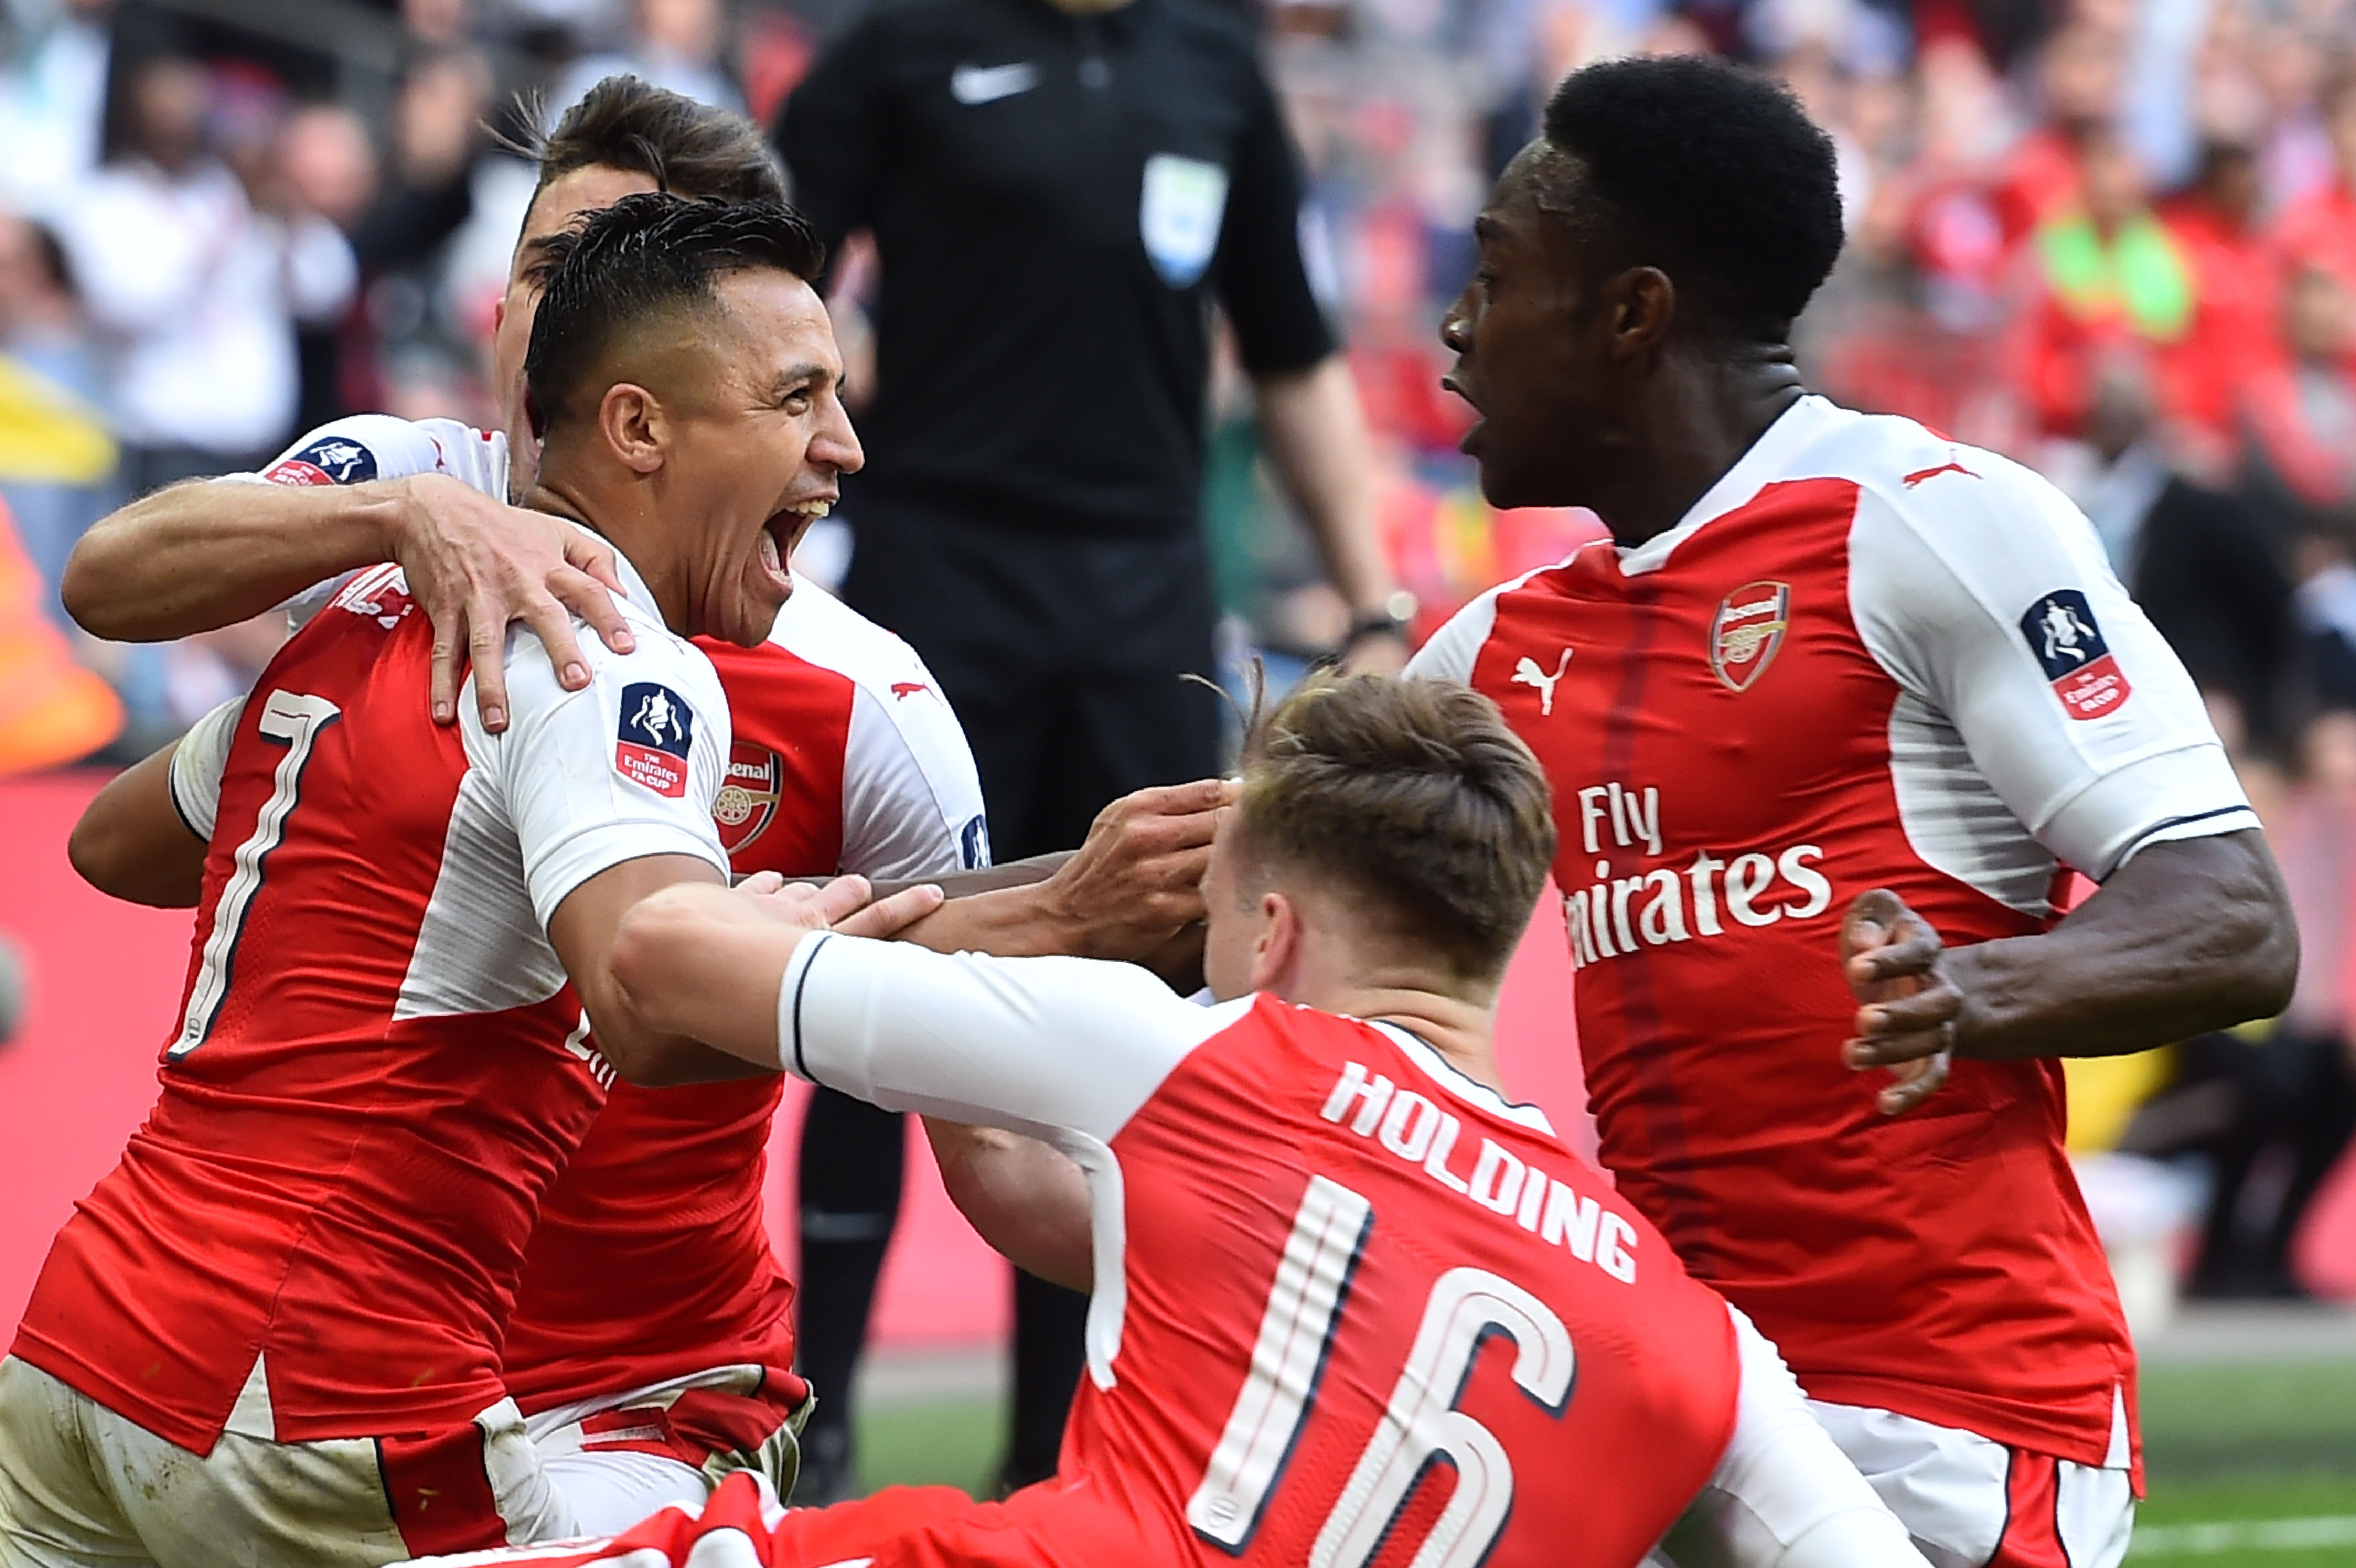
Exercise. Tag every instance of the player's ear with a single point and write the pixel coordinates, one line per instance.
(631, 420)
(1640, 305)
(1276, 947)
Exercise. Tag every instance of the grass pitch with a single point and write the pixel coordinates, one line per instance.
(2250, 1466)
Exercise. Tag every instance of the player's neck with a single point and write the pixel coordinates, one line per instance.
(1699, 416)
(623, 526)
(1464, 1033)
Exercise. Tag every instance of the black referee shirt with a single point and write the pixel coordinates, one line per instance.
(1056, 199)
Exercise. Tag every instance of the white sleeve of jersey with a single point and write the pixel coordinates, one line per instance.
(197, 763)
(1782, 1496)
(1040, 1046)
(1452, 651)
(1063, 1050)
(624, 768)
(1990, 599)
(360, 447)
(911, 797)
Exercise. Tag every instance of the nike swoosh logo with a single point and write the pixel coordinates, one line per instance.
(988, 83)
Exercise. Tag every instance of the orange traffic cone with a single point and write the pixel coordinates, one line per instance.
(52, 710)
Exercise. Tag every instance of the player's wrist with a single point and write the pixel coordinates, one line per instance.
(1390, 616)
(386, 516)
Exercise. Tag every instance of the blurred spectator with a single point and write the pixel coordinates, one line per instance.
(199, 290)
(2078, 74)
(2111, 286)
(2326, 603)
(2319, 231)
(2236, 287)
(52, 99)
(43, 334)
(437, 23)
(404, 241)
(326, 165)
(677, 44)
(2292, 1092)
(2299, 398)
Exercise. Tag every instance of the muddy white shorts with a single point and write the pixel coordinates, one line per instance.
(81, 1486)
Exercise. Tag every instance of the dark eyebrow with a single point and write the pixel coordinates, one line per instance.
(811, 374)
(1484, 227)
(539, 259)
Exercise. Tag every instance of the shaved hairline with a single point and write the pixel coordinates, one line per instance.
(641, 342)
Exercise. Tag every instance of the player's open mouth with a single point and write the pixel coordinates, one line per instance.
(1449, 383)
(777, 535)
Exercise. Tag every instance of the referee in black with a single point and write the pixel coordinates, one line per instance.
(1058, 190)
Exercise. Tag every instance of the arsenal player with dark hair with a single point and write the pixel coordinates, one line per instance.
(651, 1345)
(1828, 717)
(273, 1331)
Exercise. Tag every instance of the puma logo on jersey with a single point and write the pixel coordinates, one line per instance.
(905, 689)
(1419, 1132)
(975, 84)
(1528, 673)
(1950, 466)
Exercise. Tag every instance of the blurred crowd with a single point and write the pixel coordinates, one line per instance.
(2114, 239)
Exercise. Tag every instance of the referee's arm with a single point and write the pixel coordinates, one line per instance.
(1312, 425)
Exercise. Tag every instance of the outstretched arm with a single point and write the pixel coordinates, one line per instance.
(1131, 893)
(2191, 935)
(213, 552)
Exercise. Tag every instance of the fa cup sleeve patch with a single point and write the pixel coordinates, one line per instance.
(657, 729)
(2070, 648)
(330, 460)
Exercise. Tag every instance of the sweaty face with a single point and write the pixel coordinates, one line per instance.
(759, 439)
(566, 198)
(1529, 355)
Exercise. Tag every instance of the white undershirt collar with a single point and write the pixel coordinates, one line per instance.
(1469, 1090)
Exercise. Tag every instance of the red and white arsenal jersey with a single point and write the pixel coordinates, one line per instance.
(379, 1066)
(1343, 1293)
(1868, 657)
(650, 1264)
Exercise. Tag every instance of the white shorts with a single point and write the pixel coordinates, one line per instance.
(1970, 1501)
(620, 1458)
(81, 1486)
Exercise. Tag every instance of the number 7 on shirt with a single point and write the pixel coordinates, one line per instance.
(293, 720)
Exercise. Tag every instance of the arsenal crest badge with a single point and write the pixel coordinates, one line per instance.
(748, 800)
(1747, 630)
